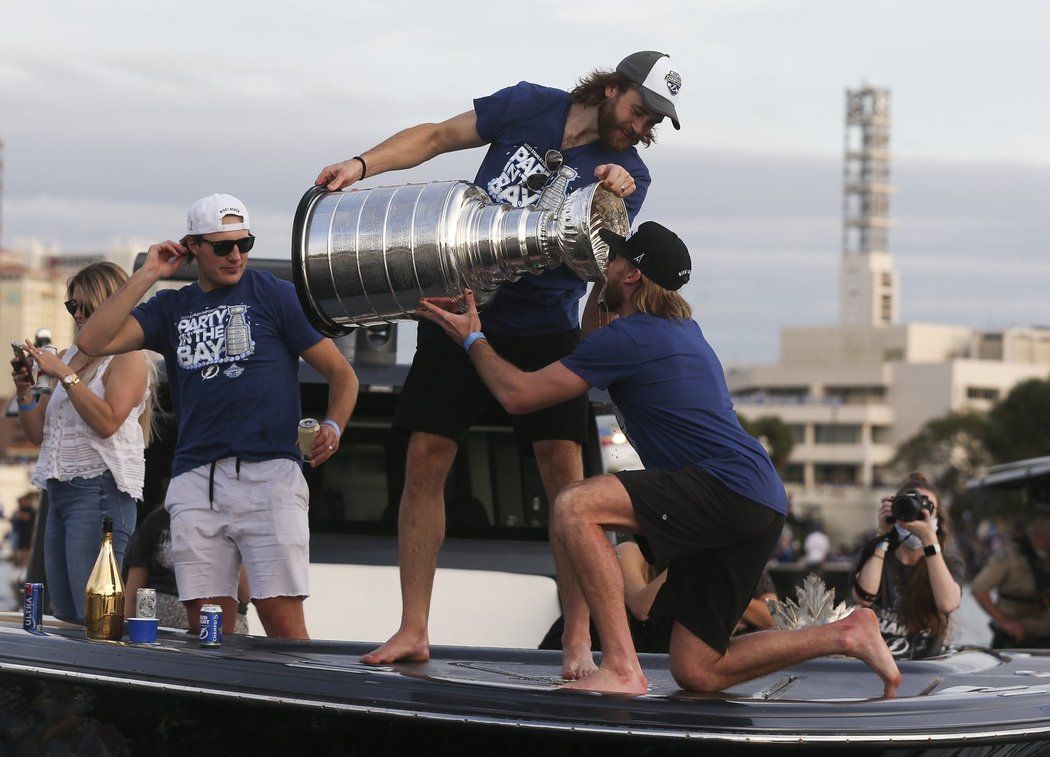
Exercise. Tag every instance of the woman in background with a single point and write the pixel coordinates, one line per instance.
(92, 431)
(910, 575)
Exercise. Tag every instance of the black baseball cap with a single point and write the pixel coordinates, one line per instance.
(656, 251)
(657, 81)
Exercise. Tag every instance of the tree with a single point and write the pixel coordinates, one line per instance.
(955, 447)
(947, 450)
(775, 437)
(1019, 426)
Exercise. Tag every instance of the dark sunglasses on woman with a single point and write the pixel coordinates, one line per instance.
(72, 305)
(225, 247)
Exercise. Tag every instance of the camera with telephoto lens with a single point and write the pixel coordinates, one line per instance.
(909, 506)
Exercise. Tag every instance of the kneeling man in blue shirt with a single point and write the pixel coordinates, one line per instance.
(709, 503)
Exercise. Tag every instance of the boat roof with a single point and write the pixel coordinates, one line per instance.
(1013, 475)
(969, 696)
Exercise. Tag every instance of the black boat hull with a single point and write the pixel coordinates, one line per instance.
(316, 697)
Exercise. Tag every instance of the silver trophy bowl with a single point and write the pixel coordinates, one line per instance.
(367, 256)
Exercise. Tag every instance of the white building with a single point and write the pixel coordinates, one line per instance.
(851, 393)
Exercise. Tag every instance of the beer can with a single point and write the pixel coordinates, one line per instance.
(308, 430)
(211, 626)
(146, 603)
(45, 384)
(33, 607)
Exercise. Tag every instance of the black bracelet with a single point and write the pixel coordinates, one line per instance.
(865, 595)
(364, 166)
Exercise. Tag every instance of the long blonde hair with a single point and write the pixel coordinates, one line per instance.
(97, 282)
(652, 299)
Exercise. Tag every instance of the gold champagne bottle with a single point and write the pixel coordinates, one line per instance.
(104, 595)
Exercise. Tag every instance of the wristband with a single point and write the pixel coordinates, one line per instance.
(28, 406)
(364, 166)
(471, 338)
(334, 425)
(865, 595)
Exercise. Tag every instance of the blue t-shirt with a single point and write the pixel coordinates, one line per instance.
(232, 356)
(669, 387)
(521, 123)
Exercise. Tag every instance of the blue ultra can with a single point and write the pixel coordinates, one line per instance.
(211, 626)
(33, 607)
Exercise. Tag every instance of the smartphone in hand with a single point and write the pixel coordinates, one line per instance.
(23, 359)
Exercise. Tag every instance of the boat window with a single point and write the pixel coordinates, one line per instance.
(494, 489)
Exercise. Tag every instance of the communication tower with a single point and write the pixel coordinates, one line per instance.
(869, 289)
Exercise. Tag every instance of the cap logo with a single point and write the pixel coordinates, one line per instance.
(638, 259)
(674, 82)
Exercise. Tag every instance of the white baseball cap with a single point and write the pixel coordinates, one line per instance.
(205, 216)
(659, 82)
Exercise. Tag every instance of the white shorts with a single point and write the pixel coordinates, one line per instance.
(258, 516)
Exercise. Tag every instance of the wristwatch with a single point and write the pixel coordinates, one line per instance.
(70, 380)
(931, 549)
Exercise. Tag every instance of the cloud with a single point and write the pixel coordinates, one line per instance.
(115, 117)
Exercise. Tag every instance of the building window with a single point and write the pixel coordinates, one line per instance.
(827, 433)
(836, 474)
(795, 473)
(857, 395)
(887, 308)
(887, 279)
(880, 434)
(881, 475)
(982, 393)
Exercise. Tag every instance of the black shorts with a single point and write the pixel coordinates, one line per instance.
(715, 542)
(443, 394)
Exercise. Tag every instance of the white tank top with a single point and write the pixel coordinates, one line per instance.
(71, 449)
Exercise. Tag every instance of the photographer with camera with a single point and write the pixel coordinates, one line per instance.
(909, 574)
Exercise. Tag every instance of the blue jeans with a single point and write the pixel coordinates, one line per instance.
(73, 536)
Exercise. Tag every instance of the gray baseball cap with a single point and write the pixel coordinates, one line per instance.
(657, 80)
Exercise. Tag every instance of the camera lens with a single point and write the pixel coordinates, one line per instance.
(908, 506)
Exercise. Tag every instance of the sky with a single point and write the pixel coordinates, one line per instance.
(115, 116)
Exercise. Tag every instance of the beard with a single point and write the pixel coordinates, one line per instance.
(612, 295)
(609, 130)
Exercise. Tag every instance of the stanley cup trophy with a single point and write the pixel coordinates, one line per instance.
(367, 256)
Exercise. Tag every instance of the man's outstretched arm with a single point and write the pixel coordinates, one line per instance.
(517, 390)
(406, 149)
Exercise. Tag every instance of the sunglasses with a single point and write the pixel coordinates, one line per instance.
(72, 306)
(225, 247)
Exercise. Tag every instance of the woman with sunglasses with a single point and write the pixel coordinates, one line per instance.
(92, 430)
(910, 575)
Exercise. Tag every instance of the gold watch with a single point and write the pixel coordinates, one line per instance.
(70, 380)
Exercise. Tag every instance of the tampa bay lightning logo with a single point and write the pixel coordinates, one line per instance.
(214, 337)
(210, 372)
(674, 82)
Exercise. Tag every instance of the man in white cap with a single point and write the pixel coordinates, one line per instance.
(231, 343)
(534, 320)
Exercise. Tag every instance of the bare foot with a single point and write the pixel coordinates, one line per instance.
(632, 683)
(863, 641)
(401, 646)
(577, 662)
